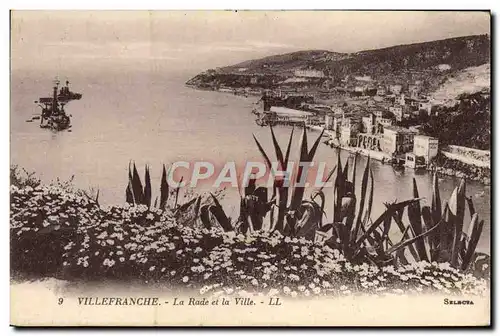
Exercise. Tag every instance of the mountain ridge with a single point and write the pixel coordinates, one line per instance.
(317, 55)
(390, 64)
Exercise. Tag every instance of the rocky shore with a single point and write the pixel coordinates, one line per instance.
(450, 167)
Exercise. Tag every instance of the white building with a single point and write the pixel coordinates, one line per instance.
(291, 115)
(426, 106)
(309, 73)
(349, 130)
(397, 140)
(425, 146)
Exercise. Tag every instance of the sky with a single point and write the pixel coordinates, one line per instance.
(197, 40)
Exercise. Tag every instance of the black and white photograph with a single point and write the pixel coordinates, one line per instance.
(250, 168)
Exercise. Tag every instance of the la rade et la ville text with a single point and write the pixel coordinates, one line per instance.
(156, 301)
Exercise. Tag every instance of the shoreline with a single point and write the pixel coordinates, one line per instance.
(446, 166)
(232, 91)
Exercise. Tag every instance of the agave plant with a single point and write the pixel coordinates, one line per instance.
(291, 214)
(446, 240)
(352, 231)
(433, 233)
(137, 194)
(286, 210)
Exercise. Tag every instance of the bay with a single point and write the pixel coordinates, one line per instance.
(154, 119)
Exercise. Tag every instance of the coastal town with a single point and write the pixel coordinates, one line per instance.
(370, 124)
(421, 106)
(292, 167)
(383, 117)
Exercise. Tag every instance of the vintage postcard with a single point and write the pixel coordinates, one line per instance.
(250, 168)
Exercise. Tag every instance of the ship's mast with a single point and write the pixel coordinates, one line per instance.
(55, 106)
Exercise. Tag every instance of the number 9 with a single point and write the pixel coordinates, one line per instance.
(60, 301)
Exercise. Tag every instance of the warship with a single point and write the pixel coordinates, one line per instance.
(53, 115)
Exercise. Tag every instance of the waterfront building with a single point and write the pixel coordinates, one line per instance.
(333, 122)
(329, 121)
(369, 141)
(414, 161)
(285, 111)
(369, 124)
(348, 137)
(425, 146)
(349, 130)
(314, 119)
(397, 140)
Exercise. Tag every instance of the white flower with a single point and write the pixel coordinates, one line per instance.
(273, 292)
(185, 279)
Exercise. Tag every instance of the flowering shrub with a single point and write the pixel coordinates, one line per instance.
(133, 242)
(57, 233)
(43, 219)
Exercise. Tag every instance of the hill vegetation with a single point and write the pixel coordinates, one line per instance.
(467, 123)
(428, 61)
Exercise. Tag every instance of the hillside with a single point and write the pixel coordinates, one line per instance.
(427, 61)
(468, 81)
(288, 62)
(459, 53)
(466, 123)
